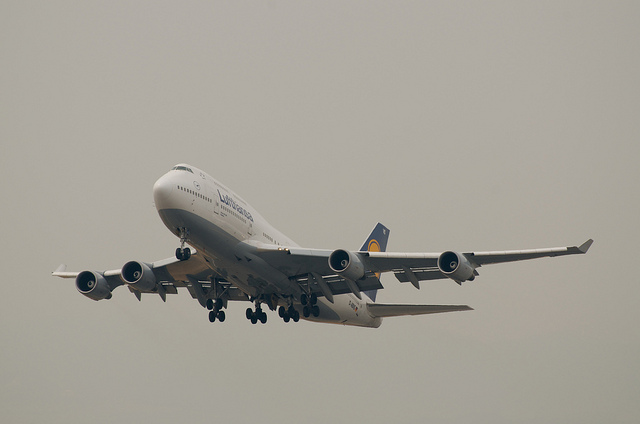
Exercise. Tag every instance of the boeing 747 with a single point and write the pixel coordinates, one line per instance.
(238, 256)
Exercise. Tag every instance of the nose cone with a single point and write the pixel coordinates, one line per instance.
(162, 190)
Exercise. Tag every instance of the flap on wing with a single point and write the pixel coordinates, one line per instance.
(404, 276)
(390, 310)
(337, 285)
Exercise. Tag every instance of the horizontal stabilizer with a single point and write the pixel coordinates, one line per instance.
(61, 272)
(390, 310)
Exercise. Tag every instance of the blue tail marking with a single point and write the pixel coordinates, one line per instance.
(376, 242)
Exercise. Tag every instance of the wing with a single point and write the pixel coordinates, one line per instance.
(327, 272)
(161, 277)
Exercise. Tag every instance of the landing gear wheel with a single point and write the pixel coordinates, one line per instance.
(219, 303)
(254, 319)
(249, 313)
(313, 299)
(303, 299)
(296, 316)
(315, 311)
(212, 317)
(210, 304)
(221, 316)
(282, 312)
(306, 311)
(263, 318)
(182, 253)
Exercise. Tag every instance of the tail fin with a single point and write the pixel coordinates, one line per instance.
(376, 242)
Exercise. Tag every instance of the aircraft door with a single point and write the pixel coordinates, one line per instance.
(215, 202)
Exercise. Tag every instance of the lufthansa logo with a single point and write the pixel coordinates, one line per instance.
(196, 185)
(373, 246)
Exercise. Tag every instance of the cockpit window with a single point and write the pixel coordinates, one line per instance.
(181, 168)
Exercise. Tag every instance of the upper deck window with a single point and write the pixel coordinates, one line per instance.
(181, 168)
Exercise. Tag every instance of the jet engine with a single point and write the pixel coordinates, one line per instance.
(93, 285)
(346, 264)
(456, 266)
(139, 276)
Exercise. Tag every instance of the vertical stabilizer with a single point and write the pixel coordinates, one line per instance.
(376, 242)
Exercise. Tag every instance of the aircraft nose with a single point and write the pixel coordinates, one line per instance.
(162, 190)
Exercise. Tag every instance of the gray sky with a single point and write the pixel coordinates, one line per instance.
(467, 126)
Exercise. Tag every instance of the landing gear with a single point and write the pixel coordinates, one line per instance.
(217, 304)
(310, 306)
(215, 310)
(183, 253)
(217, 314)
(288, 314)
(257, 315)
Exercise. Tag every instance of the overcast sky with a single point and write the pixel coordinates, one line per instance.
(468, 126)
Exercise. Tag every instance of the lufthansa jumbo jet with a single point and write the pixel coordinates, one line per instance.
(238, 256)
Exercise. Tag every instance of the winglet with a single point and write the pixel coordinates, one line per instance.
(584, 247)
(61, 268)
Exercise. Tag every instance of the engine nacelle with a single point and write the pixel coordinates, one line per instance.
(456, 266)
(346, 264)
(93, 285)
(139, 276)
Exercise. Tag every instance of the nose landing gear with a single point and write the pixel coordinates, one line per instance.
(183, 253)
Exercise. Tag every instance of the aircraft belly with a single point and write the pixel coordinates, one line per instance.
(253, 275)
(250, 274)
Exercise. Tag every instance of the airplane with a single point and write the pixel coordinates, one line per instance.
(238, 256)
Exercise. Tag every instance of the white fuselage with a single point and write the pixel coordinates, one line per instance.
(218, 221)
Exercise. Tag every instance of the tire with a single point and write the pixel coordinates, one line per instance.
(212, 316)
(221, 316)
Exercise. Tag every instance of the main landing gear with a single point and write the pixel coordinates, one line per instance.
(183, 253)
(215, 310)
(310, 306)
(288, 314)
(257, 315)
